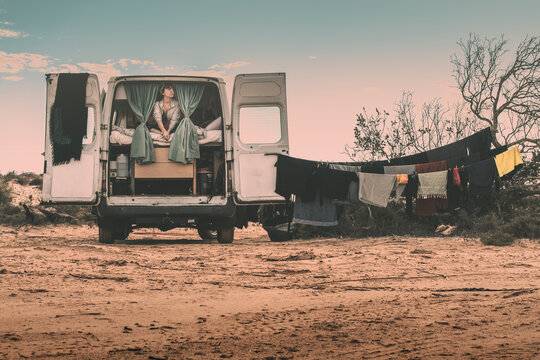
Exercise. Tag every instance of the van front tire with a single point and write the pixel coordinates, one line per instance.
(225, 235)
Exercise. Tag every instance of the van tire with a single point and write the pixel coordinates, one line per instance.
(278, 235)
(225, 235)
(106, 233)
(206, 233)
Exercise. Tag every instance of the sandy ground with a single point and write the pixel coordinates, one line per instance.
(172, 296)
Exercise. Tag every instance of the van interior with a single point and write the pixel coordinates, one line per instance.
(204, 177)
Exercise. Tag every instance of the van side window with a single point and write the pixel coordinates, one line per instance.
(260, 124)
(90, 127)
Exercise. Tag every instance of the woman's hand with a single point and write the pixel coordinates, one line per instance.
(165, 134)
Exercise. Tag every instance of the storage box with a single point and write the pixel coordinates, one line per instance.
(163, 168)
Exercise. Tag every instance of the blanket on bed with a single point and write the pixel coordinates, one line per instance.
(124, 136)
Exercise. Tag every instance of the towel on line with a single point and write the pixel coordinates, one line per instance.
(375, 189)
(432, 185)
(508, 160)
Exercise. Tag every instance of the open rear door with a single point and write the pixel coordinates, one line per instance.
(77, 181)
(259, 120)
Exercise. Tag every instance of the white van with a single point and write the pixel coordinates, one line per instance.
(213, 194)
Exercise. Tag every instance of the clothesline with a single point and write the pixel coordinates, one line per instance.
(471, 169)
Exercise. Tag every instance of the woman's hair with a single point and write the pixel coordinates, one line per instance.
(162, 88)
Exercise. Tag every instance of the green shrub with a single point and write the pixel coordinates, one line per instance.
(499, 238)
(5, 192)
(522, 227)
(12, 215)
(37, 181)
(82, 213)
(9, 176)
(527, 226)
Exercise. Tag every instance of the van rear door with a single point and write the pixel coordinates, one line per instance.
(260, 132)
(77, 181)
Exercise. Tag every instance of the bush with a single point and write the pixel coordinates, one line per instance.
(12, 215)
(522, 227)
(82, 213)
(38, 181)
(5, 192)
(498, 238)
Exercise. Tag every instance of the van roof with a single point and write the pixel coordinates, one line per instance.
(164, 77)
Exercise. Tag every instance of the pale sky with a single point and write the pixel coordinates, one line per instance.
(339, 56)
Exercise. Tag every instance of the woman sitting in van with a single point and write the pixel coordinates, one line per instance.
(166, 111)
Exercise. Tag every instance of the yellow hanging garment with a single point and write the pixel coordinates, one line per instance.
(508, 160)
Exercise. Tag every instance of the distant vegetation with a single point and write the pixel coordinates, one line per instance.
(14, 214)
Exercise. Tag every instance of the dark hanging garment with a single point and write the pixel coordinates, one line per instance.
(68, 118)
(453, 189)
(420, 158)
(333, 184)
(374, 167)
(454, 150)
(320, 211)
(479, 142)
(295, 176)
(426, 207)
(481, 176)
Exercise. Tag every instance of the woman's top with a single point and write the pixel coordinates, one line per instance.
(170, 117)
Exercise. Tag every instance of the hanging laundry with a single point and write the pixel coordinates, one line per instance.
(374, 167)
(68, 118)
(400, 169)
(432, 185)
(453, 150)
(479, 142)
(456, 180)
(402, 179)
(352, 195)
(333, 184)
(404, 170)
(420, 158)
(375, 189)
(425, 207)
(476, 143)
(453, 189)
(344, 167)
(295, 176)
(508, 161)
(320, 211)
(481, 176)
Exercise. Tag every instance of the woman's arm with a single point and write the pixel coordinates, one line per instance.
(159, 120)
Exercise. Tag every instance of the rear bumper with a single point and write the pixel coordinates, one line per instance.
(103, 209)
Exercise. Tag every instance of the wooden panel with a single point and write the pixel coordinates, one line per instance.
(165, 170)
(162, 154)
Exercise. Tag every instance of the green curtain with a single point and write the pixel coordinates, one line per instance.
(185, 143)
(141, 98)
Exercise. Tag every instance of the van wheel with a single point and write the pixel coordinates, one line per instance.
(207, 233)
(277, 234)
(225, 235)
(106, 233)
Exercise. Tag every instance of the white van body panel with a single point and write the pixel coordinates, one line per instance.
(260, 132)
(76, 181)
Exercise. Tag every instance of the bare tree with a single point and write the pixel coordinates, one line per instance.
(380, 137)
(507, 97)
